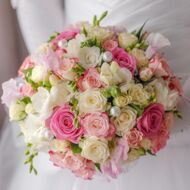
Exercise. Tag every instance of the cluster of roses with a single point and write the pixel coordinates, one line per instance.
(95, 98)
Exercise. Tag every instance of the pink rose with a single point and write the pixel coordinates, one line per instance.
(67, 35)
(110, 45)
(65, 68)
(151, 120)
(80, 166)
(113, 167)
(124, 59)
(11, 92)
(61, 123)
(26, 90)
(159, 141)
(134, 137)
(169, 119)
(159, 67)
(174, 84)
(90, 80)
(96, 124)
(25, 65)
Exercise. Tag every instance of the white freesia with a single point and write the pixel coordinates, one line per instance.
(126, 39)
(156, 41)
(42, 103)
(169, 98)
(89, 57)
(35, 132)
(29, 109)
(73, 46)
(60, 93)
(95, 149)
(39, 73)
(125, 121)
(17, 111)
(92, 101)
(112, 74)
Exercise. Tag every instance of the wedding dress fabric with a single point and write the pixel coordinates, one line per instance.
(170, 169)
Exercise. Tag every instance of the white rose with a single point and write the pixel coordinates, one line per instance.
(39, 73)
(90, 57)
(112, 74)
(125, 121)
(140, 56)
(42, 102)
(17, 111)
(95, 149)
(169, 98)
(122, 100)
(92, 101)
(138, 94)
(126, 39)
(35, 132)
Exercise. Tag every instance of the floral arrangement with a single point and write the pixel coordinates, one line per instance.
(95, 98)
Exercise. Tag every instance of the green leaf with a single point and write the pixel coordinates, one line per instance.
(90, 43)
(98, 166)
(53, 36)
(139, 32)
(115, 91)
(25, 100)
(95, 20)
(78, 69)
(139, 109)
(75, 148)
(104, 14)
(84, 31)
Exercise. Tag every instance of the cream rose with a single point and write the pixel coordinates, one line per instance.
(95, 149)
(126, 39)
(17, 111)
(122, 100)
(139, 95)
(92, 101)
(89, 57)
(125, 121)
(112, 74)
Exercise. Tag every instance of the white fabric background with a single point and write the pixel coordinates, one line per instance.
(170, 169)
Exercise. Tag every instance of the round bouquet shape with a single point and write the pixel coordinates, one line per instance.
(95, 98)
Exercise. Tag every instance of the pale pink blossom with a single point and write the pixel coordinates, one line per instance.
(96, 124)
(90, 80)
(11, 92)
(80, 166)
(26, 90)
(28, 63)
(110, 45)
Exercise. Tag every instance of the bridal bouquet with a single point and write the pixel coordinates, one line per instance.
(94, 98)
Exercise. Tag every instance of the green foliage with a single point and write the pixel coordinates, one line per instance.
(98, 166)
(90, 43)
(73, 85)
(138, 108)
(113, 91)
(84, 31)
(75, 148)
(30, 157)
(53, 36)
(78, 69)
(96, 21)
